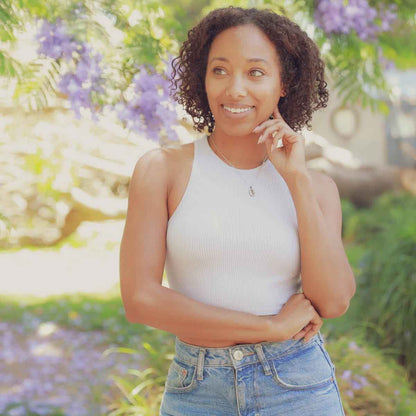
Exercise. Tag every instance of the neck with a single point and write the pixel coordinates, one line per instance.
(242, 152)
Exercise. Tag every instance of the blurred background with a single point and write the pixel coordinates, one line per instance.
(84, 92)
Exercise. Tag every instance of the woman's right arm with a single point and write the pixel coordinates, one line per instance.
(142, 260)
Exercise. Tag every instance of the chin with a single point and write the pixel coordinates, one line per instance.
(238, 130)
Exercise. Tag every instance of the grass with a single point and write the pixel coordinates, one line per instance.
(370, 383)
(84, 312)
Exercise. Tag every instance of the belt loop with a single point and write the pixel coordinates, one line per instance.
(263, 360)
(200, 364)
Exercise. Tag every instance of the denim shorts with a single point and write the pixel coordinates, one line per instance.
(289, 378)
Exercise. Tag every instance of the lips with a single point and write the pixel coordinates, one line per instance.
(235, 109)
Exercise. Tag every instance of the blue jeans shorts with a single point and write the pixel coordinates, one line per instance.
(289, 378)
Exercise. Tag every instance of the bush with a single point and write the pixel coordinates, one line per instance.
(385, 301)
(369, 383)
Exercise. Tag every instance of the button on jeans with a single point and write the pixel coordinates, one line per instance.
(289, 378)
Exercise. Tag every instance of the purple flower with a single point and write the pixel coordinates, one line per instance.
(338, 16)
(350, 393)
(54, 41)
(149, 108)
(388, 17)
(356, 385)
(346, 375)
(363, 380)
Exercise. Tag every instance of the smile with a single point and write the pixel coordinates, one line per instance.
(237, 110)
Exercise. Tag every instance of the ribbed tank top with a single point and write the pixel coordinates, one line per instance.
(227, 249)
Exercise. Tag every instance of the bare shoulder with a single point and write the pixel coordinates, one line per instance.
(327, 193)
(322, 182)
(158, 166)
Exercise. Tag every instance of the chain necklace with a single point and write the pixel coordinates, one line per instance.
(251, 191)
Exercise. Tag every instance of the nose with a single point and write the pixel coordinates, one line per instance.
(236, 87)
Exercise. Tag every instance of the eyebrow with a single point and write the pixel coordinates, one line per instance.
(220, 58)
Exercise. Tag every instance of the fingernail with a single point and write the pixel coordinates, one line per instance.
(260, 139)
(256, 129)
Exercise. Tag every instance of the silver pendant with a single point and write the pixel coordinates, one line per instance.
(251, 191)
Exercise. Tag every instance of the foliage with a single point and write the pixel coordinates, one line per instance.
(81, 312)
(337, 16)
(348, 209)
(370, 383)
(143, 389)
(401, 48)
(126, 35)
(384, 307)
(390, 210)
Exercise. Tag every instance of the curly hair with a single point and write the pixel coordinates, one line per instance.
(302, 68)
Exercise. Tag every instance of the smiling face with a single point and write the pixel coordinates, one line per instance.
(242, 81)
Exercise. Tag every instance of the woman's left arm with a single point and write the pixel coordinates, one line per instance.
(327, 278)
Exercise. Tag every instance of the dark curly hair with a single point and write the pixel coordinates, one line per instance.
(302, 68)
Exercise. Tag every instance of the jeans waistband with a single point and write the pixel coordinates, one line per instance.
(238, 355)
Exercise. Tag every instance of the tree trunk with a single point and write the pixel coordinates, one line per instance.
(359, 183)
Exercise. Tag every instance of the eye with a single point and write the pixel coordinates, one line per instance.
(218, 71)
(257, 72)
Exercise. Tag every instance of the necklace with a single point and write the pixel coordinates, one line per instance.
(251, 191)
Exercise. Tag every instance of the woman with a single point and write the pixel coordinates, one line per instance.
(249, 236)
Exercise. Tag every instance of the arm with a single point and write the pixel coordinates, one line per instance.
(142, 259)
(327, 278)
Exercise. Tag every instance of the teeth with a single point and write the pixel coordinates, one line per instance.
(237, 110)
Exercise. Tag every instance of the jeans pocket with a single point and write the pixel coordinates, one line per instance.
(181, 377)
(306, 367)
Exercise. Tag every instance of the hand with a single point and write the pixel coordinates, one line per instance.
(289, 158)
(298, 318)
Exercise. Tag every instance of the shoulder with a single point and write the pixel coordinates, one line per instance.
(158, 166)
(151, 164)
(327, 193)
(323, 184)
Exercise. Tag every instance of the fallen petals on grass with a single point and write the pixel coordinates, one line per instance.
(44, 366)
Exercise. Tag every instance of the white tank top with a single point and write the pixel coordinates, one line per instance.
(228, 249)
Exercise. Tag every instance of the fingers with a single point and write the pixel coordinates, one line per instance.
(307, 333)
(310, 334)
(302, 332)
(277, 117)
(310, 330)
(275, 130)
(316, 325)
(261, 126)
